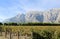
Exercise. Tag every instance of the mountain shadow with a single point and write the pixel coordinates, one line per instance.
(40, 18)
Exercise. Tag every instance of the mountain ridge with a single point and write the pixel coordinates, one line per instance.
(49, 16)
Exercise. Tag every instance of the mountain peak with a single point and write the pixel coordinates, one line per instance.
(19, 14)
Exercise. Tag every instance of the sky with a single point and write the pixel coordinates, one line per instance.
(10, 8)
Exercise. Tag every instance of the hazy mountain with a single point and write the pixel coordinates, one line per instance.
(34, 16)
(49, 16)
(52, 16)
(17, 19)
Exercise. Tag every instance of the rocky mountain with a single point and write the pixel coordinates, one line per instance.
(48, 16)
(34, 16)
(17, 19)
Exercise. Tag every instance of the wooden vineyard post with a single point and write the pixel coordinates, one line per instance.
(5, 32)
(1, 31)
(55, 34)
(10, 35)
(18, 35)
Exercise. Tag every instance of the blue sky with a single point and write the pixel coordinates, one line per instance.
(10, 8)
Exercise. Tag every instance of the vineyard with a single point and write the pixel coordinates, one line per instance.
(31, 32)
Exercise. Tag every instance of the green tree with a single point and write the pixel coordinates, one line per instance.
(1, 23)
